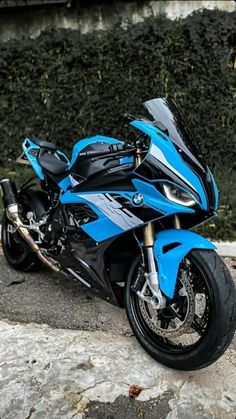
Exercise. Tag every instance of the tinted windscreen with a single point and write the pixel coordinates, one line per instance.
(167, 116)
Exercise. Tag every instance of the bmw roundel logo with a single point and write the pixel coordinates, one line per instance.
(138, 199)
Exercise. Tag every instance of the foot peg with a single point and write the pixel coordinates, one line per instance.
(70, 229)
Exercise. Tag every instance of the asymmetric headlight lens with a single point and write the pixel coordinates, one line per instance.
(178, 196)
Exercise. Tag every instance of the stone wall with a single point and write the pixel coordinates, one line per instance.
(102, 16)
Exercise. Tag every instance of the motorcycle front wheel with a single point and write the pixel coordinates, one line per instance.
(197, 325)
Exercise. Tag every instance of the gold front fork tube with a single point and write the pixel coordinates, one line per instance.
(177, 222)
(148, 229)
(148, 233)
(138, 159)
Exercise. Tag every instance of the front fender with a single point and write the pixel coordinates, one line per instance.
(170, 247)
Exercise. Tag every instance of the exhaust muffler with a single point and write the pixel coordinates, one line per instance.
(9, 196)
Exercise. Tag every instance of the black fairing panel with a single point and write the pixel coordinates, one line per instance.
(87, 166)
(37, 198)
(211, 196)
(149, 170)
(55, 167)
(119, 181)
(102, 265)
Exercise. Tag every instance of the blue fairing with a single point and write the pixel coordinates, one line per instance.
(32, 159)
(169, 262)
(154, 199)
(172, 158)
(65, 183)
(126, 160)
(108, 223)
(101, 229)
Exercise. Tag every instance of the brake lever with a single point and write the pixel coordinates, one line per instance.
(115, 155)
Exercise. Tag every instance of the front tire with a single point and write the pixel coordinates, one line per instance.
(220, 321)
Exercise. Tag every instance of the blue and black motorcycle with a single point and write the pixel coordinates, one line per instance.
(117, 217)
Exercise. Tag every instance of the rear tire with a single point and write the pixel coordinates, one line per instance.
(16, 251)
(221, 323)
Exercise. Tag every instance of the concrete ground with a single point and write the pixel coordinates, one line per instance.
(64, 353)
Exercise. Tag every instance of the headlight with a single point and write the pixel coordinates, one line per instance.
(177, 195)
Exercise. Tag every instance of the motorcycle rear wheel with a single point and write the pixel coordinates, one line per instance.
(215, 327)
(16, 251)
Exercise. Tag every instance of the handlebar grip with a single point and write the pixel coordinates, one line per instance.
(92, 153)
(112, 149)
(116, 148)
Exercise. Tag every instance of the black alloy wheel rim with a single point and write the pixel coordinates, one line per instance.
(14, 243)
(166, 345)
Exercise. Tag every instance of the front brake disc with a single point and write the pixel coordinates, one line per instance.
(177, 327)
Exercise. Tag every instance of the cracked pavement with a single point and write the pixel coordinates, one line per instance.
(83, 362)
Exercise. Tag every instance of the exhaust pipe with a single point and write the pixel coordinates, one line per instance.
(9, 197)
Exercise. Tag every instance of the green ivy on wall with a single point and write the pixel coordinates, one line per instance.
(63, 86)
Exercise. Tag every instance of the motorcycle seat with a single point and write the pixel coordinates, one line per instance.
(53, 164)
(45, 144)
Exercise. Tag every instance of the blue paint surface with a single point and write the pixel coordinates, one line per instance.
(99, 230)
(33, 160)
(172, 156)
(156, 200)
(168, 263)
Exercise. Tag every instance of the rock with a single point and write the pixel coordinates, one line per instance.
(52, 373)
